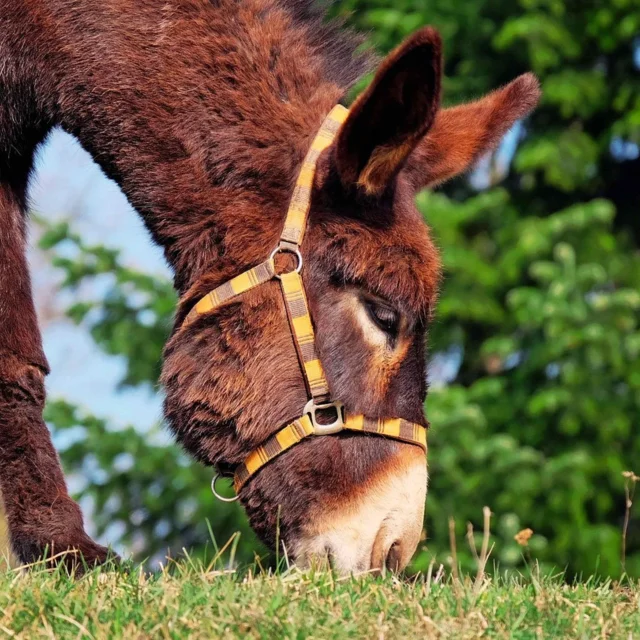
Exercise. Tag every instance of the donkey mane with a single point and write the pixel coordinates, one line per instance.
(277, 65)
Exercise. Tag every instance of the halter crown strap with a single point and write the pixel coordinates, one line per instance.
(294, 225)
(301, 327)
(296, 222)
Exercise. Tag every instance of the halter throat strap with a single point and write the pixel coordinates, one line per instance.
(301, 327)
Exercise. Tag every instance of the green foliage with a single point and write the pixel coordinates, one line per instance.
(209, 601)
(538, 319)
(131, 318)
(543, 417)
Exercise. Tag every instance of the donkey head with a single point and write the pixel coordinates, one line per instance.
(371, 273)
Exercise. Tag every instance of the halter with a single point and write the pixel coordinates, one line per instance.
(302, 330)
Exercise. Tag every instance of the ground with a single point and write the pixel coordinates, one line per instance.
(188, 600)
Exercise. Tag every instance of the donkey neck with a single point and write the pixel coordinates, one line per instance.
(202, 114)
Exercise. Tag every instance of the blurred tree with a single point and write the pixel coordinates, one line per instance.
(582, 142)
(537, 332)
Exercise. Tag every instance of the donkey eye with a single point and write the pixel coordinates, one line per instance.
(386, 318)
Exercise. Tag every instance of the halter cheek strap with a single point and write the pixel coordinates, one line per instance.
(301, 328)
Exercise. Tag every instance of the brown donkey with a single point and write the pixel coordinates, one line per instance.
(203, 111)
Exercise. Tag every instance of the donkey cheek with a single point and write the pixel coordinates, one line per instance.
(380, 362)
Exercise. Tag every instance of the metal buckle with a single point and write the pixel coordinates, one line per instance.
(287, 248)
(325, 429)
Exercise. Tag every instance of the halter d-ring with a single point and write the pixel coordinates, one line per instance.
(286, 247)
(215, 479)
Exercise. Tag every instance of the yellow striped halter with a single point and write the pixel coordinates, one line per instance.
(302, 330)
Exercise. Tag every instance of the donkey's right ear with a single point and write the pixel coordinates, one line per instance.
(460, 135)
(395, 112)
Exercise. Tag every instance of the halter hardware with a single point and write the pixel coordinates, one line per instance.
(286, 247)
(214, 482)
(321, 429)
(301, 326)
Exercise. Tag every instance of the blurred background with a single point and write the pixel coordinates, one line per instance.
(535, 351)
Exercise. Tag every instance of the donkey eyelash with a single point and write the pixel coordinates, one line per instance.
(381, 312)
(385, 317)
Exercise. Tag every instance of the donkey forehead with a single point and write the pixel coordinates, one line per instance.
(393, 256)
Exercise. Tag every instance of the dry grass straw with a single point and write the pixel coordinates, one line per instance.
(198, 600)
(467, 589)
(188, 598)
(630, 480)
(7, 559)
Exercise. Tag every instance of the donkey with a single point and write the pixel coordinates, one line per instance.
(203, 111)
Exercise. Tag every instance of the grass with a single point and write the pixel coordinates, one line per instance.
(188, 599)
(194, 601)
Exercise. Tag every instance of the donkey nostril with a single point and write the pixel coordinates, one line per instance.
(328, 560)
(386, 558)
(394, 557)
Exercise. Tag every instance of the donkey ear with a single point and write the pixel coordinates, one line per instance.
(389, 119)
(462, 134)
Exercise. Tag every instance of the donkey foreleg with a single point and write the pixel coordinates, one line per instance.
(41, 517)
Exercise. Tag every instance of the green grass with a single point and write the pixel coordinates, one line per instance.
(189, 601)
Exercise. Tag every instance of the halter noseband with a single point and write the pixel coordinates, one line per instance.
(302, 329)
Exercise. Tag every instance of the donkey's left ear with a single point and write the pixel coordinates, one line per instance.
(389, 119)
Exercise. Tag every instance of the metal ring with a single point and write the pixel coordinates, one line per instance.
(216, 494)
(285, 249)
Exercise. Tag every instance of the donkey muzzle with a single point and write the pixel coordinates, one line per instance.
(377, 530)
